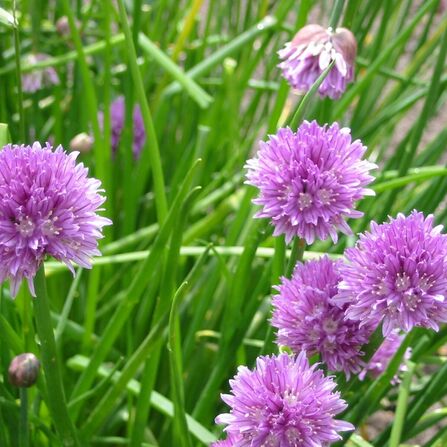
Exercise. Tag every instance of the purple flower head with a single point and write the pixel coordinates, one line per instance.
(37, 79)
(311, 51)
(283, 402)
(309, 181)
(397, 273)
(382, 357)
(48, 206)
(117, 119)
(308, 320)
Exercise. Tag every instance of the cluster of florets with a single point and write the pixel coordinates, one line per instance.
(48, 207)
(311, 52)
(283, 402)
(307, 319)
(310, 180)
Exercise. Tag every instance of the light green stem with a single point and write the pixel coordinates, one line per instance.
(56, 397)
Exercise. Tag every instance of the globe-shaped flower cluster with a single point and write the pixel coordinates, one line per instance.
(310, 180)
(48, 206)
(283, 402)
(308, 320)
(397, 273)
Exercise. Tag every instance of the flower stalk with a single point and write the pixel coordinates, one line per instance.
(56, 397)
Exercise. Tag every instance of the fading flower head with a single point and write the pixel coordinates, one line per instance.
(35, 80)
(310, 181)
(311, 51)
(283, 402)
(48, 206)
(117, 121)
(307, 319)
(397, 273)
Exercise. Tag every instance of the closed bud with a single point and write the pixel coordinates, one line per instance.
(81, 142)
(24, 370)
(62, 26)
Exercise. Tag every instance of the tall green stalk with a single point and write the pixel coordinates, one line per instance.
(56, 396)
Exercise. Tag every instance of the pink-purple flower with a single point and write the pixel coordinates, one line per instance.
(38, 78)
(397, 273)
(308, 320)
(117, 121)
(311, 52)
(48, 206)
(309, 181)
(283, 402)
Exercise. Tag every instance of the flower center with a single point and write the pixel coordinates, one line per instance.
(271, 441)
(325, 196)
(381, 288)
(402, 282)
(48, 227)
(293, 436)
(304, 201)
(330, 326)
(25, 226)
(412, 299)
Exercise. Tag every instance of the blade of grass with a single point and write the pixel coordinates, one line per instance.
(152, 141)
(402, 406)
(132, 295)
(196, 92)
(158, 401)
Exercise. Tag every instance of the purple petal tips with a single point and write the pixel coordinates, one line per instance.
(397, 273)
(48, 206)
(283, 402)
(310, 181)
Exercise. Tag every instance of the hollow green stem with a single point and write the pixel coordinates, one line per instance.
(296, 255)
(22, 133)
(336, 13)
(55, 391)
(23, 424)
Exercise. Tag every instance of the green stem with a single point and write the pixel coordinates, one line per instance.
(402, 404)
(336, 13)
(299, 113)
(152, 142)
(296, 255)
(55, 390)
(22, 133)
(23, 427)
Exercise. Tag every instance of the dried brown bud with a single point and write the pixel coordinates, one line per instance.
(24, 370)
(81, 142)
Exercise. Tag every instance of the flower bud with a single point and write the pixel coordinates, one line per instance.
(23, 370)
(81, 142)
(62, 26)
